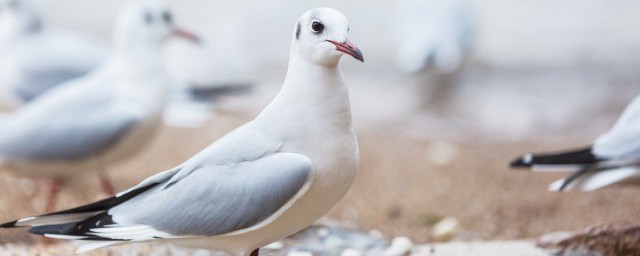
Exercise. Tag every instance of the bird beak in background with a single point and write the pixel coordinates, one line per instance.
(185, 34)
(348, 48)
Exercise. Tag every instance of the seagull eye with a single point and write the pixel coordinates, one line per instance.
(167, 17)
(317, 27)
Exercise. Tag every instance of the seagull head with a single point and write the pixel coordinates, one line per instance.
(146, 24)
(321, 36)
(20, 15)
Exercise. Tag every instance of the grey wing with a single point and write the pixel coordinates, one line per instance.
(213, 200)
(36, 82)
(53, 58)
(623, 140)
(66, 128)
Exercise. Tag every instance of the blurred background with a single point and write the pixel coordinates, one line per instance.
(537, 76)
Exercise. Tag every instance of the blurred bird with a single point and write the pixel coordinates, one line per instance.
(433, 34)
(260, 183)
(93, 121)
(613, 158)
(35, 58)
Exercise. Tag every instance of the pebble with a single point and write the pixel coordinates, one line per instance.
(299, 253)
(446, 229)
(351, 252)
(400, 246)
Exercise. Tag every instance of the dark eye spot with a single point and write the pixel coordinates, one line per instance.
(148, 17)
(167, 17)
(317, 27)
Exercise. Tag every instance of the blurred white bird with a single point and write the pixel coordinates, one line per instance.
(262, 182)
(613, 158)
(34, 57)
(93, 121)
(433, 34)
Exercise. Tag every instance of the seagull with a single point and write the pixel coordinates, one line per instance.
(96, 120)
(35, 58)
(613, 158)
(264, 181)
(434, 34)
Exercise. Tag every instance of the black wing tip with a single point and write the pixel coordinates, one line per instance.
(11, 224)
(522, 162)
(583, 157)
(81, 230)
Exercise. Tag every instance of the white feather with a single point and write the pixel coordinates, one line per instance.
(54, 219)
(65, 237)
(95, 245)
(606, 178)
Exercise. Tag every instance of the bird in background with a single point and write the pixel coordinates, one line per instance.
(262, 182)
(34, 57)
(87, 124)
(613, 158)
(434, 35)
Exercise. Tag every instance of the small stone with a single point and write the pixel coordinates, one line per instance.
(333, 242)
(400, 246)
(446, 229)
(299, 253)
(323, 232)
(376, 234)
(274, 246)
(351, 252)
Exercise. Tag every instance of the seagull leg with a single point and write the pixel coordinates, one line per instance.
(53, 187)
(256, 252)
(105, 183)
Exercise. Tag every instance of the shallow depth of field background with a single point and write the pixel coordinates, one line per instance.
(543, 75)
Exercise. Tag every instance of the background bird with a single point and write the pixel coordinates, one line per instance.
(89, 123)
(262, 182)
(34, 57)
(434, 38)
(613, 158)
(434, 34)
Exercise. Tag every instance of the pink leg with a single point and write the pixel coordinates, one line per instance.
(106, 185)
(53, 189)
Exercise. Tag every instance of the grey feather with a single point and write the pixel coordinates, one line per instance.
(36, 82)
(55, 128)
(218, 199)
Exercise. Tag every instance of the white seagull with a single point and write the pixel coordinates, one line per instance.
(260, 183)
(93, 121)
(613, 158)
(433, 34)
(34, 57)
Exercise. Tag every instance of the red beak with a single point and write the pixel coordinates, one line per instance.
(185, 34)
(348, 48)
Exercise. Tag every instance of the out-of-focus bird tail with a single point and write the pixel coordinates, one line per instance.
(574, 159)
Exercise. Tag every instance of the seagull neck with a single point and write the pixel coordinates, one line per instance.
(312, 92)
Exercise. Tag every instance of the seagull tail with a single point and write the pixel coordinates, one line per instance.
(579, 158)
(590, 180)
(567, 184)
(77, 214)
